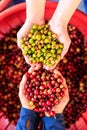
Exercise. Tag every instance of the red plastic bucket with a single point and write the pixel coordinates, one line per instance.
(14, 16)
(4, 4)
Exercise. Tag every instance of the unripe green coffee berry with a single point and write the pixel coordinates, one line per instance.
(38, 37)
(35, 26)
(59, 50)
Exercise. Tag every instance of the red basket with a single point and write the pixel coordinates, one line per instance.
(14, 16)
(4, 4)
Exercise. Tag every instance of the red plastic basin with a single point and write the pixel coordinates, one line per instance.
(14, 16)
(4, 4)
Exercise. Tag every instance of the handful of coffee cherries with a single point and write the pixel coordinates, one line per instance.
(44, 89)
(42, 45)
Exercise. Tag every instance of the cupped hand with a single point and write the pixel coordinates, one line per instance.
(23, 99)
(64, 101)
(61, 30)
(23, 32)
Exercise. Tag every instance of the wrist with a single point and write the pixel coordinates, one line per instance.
(59, 22)
(35, 10)
(57, 27)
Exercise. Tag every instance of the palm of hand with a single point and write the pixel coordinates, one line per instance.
(63, 36)
(60, 107)
(24, 101)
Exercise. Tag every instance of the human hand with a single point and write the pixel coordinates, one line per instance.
(63, 102)
(61, 30)
(23, 32)
(23, 99)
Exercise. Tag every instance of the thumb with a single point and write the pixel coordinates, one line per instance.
(64, 52)
(65, 39)
(23, 32)
(22, 84)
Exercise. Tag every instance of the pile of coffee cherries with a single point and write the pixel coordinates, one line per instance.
(72, 67)
(12, 68)
(44, 89)
(42, 45)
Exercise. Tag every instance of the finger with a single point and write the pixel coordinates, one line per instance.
(64, 82)
(27, 60)
(65, 39)
(66, 47)
(66, 96)
(57, 72)
(32, 68)
(22, 33)
(65, 50)
(38, 66)
(23, 82)
(45, 67)
(53, 67)
(19, 37)
(66, 91)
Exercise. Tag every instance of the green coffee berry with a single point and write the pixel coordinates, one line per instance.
(35, 26)
(59, 50)
(38, 37)
(31, 41)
